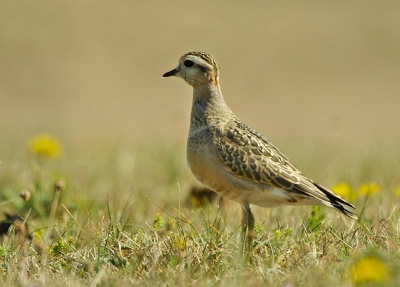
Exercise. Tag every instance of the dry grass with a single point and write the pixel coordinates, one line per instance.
(122, 220)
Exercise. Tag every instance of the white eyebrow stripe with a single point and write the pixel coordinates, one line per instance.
(199, 61)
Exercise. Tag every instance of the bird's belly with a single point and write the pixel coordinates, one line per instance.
(209, 171)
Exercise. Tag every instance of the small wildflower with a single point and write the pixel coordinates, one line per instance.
(278, 233)
(158, 222)
(369, 189)
(21, 229)
(19, 225)
(179, 242)
(288, 232)
(345, 191)
(38, 236)
(258, 228)
(45, 145)
(25, 195)
(398, 191)
(282, 261)
(369, 269)
(58, 248)
(342, 189)
(59, 185)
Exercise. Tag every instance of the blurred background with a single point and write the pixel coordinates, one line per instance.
(313, 71)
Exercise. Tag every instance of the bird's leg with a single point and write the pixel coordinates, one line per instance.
(250, 227)
(247, 226)
(221, 209)
(244, 229)
(221, 205)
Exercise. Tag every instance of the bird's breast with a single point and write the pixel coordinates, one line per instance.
(203, 160)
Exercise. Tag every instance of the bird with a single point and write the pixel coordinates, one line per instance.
(236, 161)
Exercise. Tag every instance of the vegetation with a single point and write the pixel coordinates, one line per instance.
(121, 215)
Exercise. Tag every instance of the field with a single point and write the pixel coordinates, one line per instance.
(92, 150)
(122, 215)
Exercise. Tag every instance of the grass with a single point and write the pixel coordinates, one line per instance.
(117, 215)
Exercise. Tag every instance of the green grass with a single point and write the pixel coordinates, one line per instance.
(124, 219)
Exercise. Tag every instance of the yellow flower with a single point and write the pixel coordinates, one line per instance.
(369, 189)
(369, 269)
(45, 145)
(344, 190)
(278, 233)
(38, 236)
(398, 191)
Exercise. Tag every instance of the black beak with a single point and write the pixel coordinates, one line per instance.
(170, 73)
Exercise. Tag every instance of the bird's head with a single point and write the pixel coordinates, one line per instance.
(197, 69)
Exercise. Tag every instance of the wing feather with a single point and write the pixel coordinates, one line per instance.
(250, 156)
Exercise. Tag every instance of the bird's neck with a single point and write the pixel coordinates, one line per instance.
(208, 105)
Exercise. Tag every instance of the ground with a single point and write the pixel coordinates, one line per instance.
(123, 215)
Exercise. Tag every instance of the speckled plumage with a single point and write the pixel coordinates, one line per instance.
(234, 160)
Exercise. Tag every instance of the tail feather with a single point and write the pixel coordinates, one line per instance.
(338, 203)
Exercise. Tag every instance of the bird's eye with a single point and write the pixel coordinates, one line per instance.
(188, 63)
